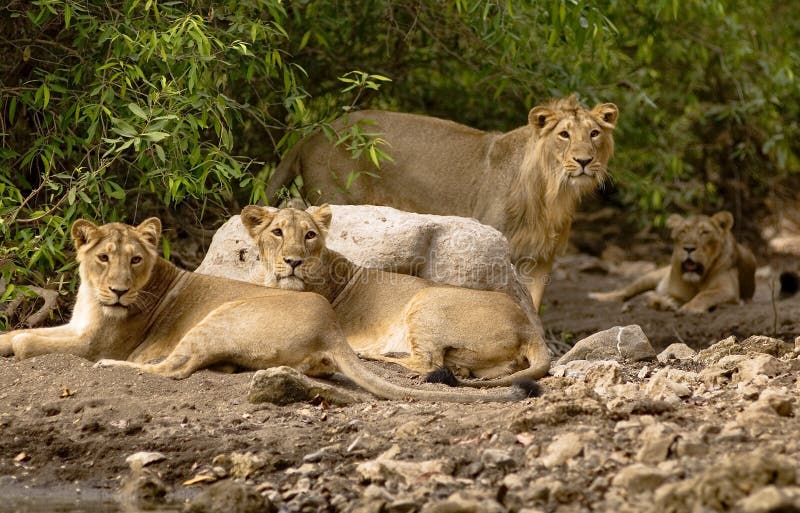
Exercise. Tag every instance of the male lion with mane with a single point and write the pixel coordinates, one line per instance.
(424, 326)
(708, 268)
(135, 307)
(526, 182)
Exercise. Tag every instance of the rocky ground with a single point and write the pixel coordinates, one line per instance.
(711, 431)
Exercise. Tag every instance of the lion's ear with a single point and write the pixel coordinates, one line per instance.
(82, 232)
(255, 217)
(607, 113)
(150, 230)
(322, 215)
(674, 221)
(540, 117)
(724, 219)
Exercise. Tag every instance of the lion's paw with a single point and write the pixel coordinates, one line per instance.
(691, 309)
(661, 302)
(106, 363)
(606, 297)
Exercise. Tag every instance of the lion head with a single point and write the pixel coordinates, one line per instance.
(290, 242)
(699, 242)
(572, 144)
(116, 261)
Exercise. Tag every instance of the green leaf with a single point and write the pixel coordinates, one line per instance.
(137, 111)
(165, 248)
(155, 136)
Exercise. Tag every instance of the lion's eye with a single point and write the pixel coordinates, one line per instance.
(311, 235)
(594, 133)
(135, 260)
(564, 134)
(102, 258)
(277, 232)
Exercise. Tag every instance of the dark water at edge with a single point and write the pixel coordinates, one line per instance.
(43, 500)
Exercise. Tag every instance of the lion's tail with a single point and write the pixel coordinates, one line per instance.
(351, 366)
(538, 365)
(746, 267)
(286, 172)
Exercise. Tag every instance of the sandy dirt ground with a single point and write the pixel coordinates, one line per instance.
(589, 443)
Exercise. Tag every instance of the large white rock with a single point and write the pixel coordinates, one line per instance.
(445, 249)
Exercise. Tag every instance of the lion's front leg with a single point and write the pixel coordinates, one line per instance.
(29, 344)
(659, 301)
(536, 280)
(722, 288)
(37, 341)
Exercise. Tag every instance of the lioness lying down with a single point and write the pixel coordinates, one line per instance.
(133, 305)
(395, 317)
(708, 268)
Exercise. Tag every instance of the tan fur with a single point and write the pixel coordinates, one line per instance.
(708, 268)
(194, 321)
(526, 183)
(395, 317)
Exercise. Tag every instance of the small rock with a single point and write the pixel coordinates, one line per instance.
(385, 467)
(756, 344)
(142, 459)
(317, 456)
(779, 400)
(514, 481)
(721, 371)
(677, 351)
(758, 418)
(564, 447)
(760, 364)
(732, 432)
(724, 483)
(284, 385)
(690, 445)
(617, 343)
(464, 502)
(408, 431)
(656, 440)
(767, 345)
(143, 489)
(638, 478)
(497, 458)
(662, 388)
(230, 497)
(771, 499)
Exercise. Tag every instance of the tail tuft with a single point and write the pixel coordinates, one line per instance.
(442, 375)
(529, 386)
(790, 283)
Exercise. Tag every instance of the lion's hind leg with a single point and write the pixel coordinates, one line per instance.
(213, 341)
(642, 284)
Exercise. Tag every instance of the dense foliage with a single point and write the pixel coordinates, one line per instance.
(122, 109)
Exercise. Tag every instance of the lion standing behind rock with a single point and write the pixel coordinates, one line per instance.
(526, 182)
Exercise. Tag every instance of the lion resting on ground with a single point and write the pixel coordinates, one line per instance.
(708, 268)
(398, 318)
(133, 305)
(526, 183)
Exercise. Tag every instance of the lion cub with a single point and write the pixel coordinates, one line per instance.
(135, 307)
(399, 318)
(708, 268)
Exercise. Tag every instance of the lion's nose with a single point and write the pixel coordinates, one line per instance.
(118, 292)
(293, 262)
(584, 161)
(689, 249)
